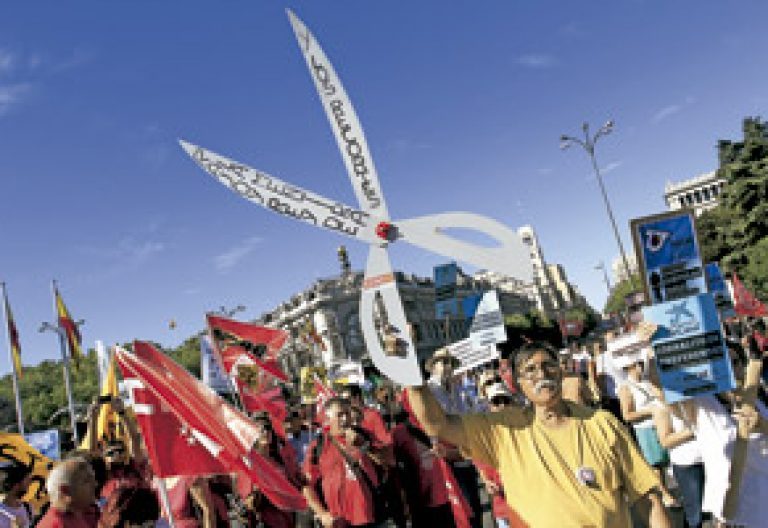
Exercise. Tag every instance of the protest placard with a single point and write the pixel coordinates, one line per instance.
(691, 357)
(668, 255)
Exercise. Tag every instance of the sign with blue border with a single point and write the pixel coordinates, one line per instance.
(47, 442)
(691, 356)
(670, 259)
(719, 290)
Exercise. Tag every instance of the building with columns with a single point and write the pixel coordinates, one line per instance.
(699, 193)
(332, 307)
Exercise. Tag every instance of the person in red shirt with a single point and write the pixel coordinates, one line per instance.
(342, 484)
(423, 481)
(281, 454)
(124, 466)
(71, 487)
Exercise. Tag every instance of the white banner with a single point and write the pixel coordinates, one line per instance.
(488, 324)
(470, 355)
(210, 372)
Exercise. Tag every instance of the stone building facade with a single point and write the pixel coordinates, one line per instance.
(332, 307)
(699, 193)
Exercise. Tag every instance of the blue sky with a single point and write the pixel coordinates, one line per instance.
(462, 103)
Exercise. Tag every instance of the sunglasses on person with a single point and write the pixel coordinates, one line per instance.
(500, 400)
(548, 368)
(114, 452)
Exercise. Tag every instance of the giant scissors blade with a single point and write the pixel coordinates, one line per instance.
(283, 198)
(383, 322)
(510, 257)
(346, 127)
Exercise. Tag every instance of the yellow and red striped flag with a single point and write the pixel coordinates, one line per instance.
(67, 324)
(13, 338)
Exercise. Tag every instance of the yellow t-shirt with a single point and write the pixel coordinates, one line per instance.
(538, 466)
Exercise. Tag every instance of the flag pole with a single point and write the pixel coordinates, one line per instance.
(15, 375)
(166, 501)
(65, 359)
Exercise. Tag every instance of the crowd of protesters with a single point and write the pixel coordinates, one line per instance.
(544, 438)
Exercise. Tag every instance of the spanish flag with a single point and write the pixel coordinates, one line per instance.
(67, 324)
(108, 425)
(13, 337)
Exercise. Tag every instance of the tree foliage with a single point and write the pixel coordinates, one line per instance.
(616, 302)
(43, 394)
(735, 233)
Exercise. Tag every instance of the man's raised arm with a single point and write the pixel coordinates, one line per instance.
(433, 419)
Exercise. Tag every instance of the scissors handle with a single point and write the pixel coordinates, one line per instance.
(509, 257)
(380, 288)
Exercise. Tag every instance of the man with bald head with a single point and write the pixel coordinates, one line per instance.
(561, 464)
(71, 487)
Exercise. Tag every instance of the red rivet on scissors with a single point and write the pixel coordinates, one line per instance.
(383, 230)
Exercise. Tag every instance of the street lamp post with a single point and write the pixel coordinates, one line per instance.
(601, 266)
(588, 144)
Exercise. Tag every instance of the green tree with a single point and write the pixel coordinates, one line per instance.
(616, 301)
(735, 233)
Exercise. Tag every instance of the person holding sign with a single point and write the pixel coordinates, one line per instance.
(638, 400)
(561, 464)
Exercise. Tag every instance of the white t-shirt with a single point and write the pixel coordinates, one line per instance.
(19, 512)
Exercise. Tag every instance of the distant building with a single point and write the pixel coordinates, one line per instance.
(548, 298)
(332, 307)
(699, 193)
(619, 271)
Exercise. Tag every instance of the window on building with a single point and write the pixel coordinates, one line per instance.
(705, 192)
(715, 190)
(682, 201)
(688, 199)
(697, 196)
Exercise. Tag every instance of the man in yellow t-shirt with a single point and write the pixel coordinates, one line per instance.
(561, 464)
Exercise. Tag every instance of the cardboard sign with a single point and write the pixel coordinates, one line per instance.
(347, 373)
(669, 255)
(487, 326)
(470, 355)
(46, 442)
(691, 356)
(210, 371)
(719, 290)
(307, 387)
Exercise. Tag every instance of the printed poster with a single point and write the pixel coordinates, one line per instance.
(691, 356)
(670, 259)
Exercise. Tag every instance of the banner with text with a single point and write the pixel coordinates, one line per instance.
(669, 256)
(691, 356)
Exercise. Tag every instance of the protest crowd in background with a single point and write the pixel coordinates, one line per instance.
(498, 448)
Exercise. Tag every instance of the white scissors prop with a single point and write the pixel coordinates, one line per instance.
(370, 222)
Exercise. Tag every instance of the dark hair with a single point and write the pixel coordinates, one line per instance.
(335, 400)
(524, 353)
(130, 504)
(353, 390)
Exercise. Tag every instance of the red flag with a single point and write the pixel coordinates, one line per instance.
(459, 505)
(271, 402)
(67, 324)
(223, 431)
(234, 344)
(158, 424)
(744, 302)
(246, 333)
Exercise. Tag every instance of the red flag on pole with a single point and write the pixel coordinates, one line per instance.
(69, 326)
(744, 302)
(244, 334)
(225, 433)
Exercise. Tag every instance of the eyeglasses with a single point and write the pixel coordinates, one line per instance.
(500, 400)
(548, 368)
(114, 453)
